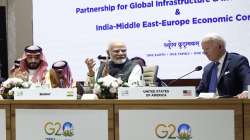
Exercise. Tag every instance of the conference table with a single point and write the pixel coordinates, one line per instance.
(246, 123)
(125, 119)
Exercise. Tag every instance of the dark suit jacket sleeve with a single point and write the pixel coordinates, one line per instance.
(1, 80)
(203, 85)
(244, 72)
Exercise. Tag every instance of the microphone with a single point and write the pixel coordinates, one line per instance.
(100, 57)
(61, 83)
(198, 68)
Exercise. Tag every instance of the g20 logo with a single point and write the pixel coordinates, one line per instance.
(168, 131)
(59, 129)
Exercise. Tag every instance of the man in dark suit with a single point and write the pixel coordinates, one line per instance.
(228, 72)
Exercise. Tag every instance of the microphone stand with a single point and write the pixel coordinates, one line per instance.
(163, 83)
(171, 82)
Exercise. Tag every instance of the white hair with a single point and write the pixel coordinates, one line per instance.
(214, 37)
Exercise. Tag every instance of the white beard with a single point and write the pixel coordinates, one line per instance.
(119, 61)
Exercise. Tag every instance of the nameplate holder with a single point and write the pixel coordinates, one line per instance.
(46, 94)
(186, 92)
(248, 91)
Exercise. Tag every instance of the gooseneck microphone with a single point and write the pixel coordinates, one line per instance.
(61, 83)
(198, 68)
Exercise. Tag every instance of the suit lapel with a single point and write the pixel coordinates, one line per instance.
(224, 66)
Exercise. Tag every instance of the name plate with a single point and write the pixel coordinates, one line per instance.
(46, 94)
(187, 92)
(248, 91)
